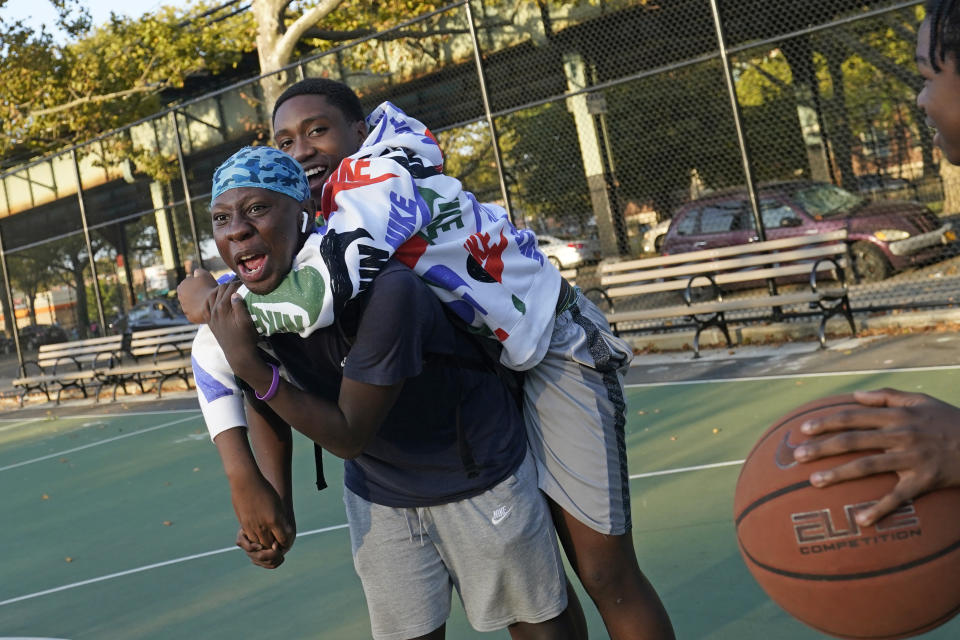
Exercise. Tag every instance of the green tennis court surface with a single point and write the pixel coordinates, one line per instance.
(120, 527)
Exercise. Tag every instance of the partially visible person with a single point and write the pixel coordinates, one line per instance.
(439, 488)
(918, 436)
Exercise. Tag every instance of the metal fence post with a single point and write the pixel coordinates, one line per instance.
(86, 237)
(741, 139)
(186, 190)
(486, 109)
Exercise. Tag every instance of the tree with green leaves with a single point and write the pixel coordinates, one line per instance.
(53, 94)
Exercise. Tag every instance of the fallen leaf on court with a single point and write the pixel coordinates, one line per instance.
(641, 413)
(846, 353)
(731, 352)
(716, 429)
(68, 559)
(799, 383)
(167, 523)
(673, 437)
(44, 497)
(64, 460)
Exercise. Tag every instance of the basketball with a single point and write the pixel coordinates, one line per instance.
(895, 579)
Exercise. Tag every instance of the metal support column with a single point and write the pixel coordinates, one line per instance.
(486, 109)
(186, 191)
(742, 141)
(86, 237)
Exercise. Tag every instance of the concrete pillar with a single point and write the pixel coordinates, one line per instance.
(591, 153)
(166, 236)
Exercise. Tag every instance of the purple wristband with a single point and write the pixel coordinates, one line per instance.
(274, 385)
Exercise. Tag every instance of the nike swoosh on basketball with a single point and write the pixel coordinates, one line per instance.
(784, 454)
(500, 515)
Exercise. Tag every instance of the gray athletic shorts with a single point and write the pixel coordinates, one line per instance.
(574, 410)
(498, 549)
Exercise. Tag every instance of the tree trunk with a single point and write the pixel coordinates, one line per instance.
(32, 306)
(799, 56)
(80, 287)
(926, 139)
(840, 124)
(276, 40)
(950, 175)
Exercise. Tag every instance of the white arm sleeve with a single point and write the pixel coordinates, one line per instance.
(221, 400)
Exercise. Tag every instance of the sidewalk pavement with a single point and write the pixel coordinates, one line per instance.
(893, 322)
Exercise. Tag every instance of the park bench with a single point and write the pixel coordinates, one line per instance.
(152, 354)
(118, 360)
(570, 275)
(707, 280)
(65, 365)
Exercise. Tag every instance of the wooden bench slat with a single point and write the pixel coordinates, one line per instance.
(728, 264)
(180, 328)
(726, 278)
(89, 342)
(737, 304)
(723, 252)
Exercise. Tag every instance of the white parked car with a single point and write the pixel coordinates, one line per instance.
(653, 238)
(568, 253)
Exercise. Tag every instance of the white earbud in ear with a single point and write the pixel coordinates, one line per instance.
(306, 220)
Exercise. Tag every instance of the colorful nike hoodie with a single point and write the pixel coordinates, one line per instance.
(392, 198)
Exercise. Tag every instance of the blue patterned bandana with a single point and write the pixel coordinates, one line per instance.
(264, 168)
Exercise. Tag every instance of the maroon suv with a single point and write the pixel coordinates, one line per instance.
(885, 236)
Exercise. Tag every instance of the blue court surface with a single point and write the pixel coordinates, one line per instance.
(119, 526)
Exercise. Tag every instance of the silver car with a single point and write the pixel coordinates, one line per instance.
(653, 238)
(568, 253)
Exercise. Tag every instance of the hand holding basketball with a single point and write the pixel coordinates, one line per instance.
(912, 434)
(807, 547)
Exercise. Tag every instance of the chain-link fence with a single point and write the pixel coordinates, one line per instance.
(592, 123)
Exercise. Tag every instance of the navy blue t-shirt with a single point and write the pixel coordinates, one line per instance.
(417, 458)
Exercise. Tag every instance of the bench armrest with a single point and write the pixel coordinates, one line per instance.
(66, 360)
(32, 364)
(105, 360)
(841, 275)
(161, 347)
(688, 290)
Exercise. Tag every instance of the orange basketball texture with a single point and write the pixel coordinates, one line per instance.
(896, 579)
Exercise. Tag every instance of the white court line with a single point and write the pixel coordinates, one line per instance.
(105, 415)
(666, 472)
(98, 443)
(16, 425)
(156, 565)
(196, 556)
(825, 374)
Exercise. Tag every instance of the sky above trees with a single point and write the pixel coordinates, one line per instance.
(36, 13)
